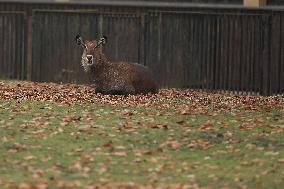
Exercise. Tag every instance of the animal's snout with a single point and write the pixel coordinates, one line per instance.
(90, 59)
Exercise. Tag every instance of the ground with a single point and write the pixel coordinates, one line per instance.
(66, 136)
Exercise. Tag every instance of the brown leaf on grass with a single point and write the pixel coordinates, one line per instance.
(127, 126)
(17, 147)
(185, 112)
(127, 113)
(248, 125)
(119, 153)
(148, 152)
(199, 142)
(120, 147)
(84, 128)
(37, 118)
(160, 126)
(29, 158)
(40, 132)
(109, 144)
(38, 173)
(205, 126)
(32, 186)
(271, 153)
(171, 143)
(4, 139)
(69, 184)
(183, 123)
(228, 134)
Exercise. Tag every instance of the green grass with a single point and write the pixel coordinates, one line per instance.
(80, 145)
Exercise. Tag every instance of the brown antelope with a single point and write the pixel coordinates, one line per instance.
(115, 78)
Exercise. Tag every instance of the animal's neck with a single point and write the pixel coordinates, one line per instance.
(102, 59)
(100, 63)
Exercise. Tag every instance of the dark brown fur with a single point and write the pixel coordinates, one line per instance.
(117, 78)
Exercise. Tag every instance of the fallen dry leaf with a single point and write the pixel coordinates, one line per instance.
(119, 153)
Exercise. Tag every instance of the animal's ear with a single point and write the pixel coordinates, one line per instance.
(79, 41)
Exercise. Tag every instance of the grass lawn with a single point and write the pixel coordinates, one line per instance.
(65, 136)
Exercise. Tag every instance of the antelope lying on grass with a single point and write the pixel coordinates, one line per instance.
(116, 78)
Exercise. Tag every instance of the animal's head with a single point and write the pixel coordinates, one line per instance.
(92, 50)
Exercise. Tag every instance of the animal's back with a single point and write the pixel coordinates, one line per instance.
(139, 76)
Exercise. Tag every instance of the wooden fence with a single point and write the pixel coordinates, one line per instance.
(12, 45)
(225, 49)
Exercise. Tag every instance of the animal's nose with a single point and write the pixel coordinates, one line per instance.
(89, 57)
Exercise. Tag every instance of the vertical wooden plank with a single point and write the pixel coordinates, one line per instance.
(275, 54)
(210, 51)
(238, 71)
(282, 54)
(198, 60)
(1, 45)
(258, 53)
(231, 50)
(162, 53)
(246, 53)
(190, 76)
(5, 46)
(250, 51)
(205, 53)
(184, 49)
(171, 19)
(217, 56)
(70, 46)
(201, 52)
(17, 47)
(45, 47)
(180, 51)
(224, 51)
(29, 47)
(9, 47)
(101, 25)
(167, 55)
(23, 47)
(33, 58)
(153, 46)
(196, 56)
(249, 39)
(213, 47)
(252, 54)
(141, 39)
(265, 58)
(243, 53)
(159, 50)
(13, 65)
